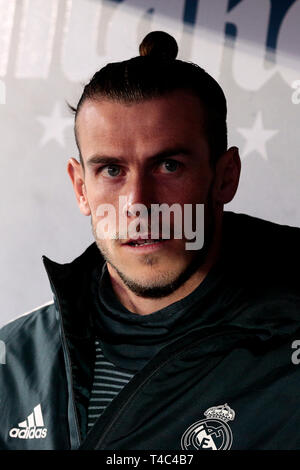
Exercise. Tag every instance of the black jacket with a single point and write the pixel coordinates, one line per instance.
(229, 383)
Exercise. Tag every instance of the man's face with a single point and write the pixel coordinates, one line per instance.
(160, 155)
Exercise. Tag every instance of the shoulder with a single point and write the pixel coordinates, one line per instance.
(41, 318)
(259, 233)
(265, 249)
(245, 221)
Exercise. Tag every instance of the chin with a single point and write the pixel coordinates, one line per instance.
(151, 287)
(151, 281)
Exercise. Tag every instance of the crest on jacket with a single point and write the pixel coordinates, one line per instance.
(212, 433)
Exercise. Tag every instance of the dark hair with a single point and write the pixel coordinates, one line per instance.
(155, 72)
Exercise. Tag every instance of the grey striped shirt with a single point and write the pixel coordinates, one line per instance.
(108, 382)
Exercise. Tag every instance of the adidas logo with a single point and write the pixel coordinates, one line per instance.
(32, 428)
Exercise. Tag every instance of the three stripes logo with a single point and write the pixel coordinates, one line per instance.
(32, 428)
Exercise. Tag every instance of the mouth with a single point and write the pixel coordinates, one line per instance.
(145, 243)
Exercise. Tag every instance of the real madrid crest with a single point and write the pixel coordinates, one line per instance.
(212, 433)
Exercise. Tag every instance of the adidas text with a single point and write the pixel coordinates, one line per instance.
(29, 433)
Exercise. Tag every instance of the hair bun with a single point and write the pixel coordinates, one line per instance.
(159, 44)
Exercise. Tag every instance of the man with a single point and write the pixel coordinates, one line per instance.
(148, 344)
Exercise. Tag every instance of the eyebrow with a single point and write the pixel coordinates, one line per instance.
(106, 159)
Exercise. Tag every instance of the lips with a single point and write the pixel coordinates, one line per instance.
(142, 241)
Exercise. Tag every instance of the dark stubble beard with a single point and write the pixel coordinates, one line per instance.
(156, 292)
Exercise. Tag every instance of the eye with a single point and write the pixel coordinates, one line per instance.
(112, 170)
(171, 165)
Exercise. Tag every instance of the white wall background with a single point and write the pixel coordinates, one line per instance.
(50, 48)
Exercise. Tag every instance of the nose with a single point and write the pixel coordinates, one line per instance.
(139, 189)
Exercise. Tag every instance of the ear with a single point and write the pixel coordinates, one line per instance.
(228, 169)
(76, 173)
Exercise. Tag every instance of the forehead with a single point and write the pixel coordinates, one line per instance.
(173, 119)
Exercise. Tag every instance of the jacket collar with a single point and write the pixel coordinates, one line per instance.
(71, 287)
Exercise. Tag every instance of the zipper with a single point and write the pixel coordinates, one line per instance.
(67, 360)
(155, 368)
(69, 369)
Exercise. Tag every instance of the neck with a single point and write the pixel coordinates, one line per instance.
(145, 306)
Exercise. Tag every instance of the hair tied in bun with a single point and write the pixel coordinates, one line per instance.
(160, 45)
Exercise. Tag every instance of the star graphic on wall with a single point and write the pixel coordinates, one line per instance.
(55, 125)
(256, 137)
